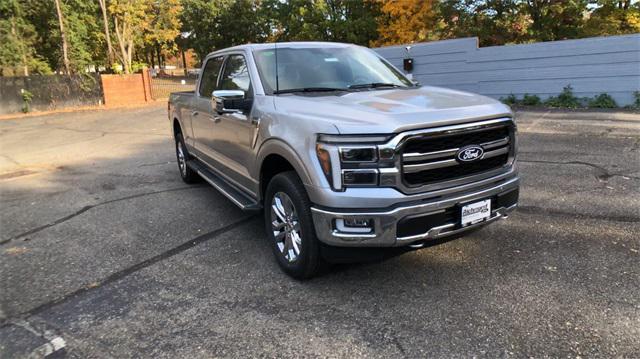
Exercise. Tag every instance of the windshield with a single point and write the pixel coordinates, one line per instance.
(325, 68)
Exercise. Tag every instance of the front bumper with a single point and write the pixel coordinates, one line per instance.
(385, 223)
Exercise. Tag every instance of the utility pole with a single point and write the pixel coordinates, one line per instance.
(65, 55)
(107, 35)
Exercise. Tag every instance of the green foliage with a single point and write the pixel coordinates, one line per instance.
(31, 39)
(137, 66)
(510, 100)
(602, 101)
(566, 99)
(636, 103)
(19, 40)
(26, 100)
(531, 100)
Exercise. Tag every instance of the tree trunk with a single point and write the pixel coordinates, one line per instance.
(107, 35)
(63, 36)
(121, 36)
(184, 61)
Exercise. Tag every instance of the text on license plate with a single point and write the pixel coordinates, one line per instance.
(475, 212)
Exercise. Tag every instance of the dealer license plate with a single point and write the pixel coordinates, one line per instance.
(475, 212)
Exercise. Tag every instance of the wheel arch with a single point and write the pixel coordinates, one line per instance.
(177, 127)
(275, 157)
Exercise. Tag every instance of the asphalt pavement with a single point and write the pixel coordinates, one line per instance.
(105, 253)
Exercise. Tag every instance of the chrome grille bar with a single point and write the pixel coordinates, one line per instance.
(416, 156)
(447, 163)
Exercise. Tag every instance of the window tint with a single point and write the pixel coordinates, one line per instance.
(210, 76)
(235, 75)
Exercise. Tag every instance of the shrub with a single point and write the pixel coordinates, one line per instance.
(26, 100)
(566, 99)
(509, 100)
(636, 103)
(531, 100)
(602, 101)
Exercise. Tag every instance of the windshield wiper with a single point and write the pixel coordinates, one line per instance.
(373, 85)
(309, 89)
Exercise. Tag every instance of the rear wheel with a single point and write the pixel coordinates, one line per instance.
(289, 226)
(188, 175)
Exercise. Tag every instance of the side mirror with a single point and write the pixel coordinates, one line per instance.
(230, 101)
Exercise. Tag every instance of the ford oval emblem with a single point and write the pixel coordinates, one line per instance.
(470, 153)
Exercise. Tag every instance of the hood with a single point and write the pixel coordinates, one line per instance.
(392, 111)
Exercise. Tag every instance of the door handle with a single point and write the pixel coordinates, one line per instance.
(216, 119)
(194, 113)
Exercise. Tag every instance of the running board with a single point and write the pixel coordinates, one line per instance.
(230, 191)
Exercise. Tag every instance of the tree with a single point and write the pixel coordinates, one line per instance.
(406, 21)
(555, 19)
(613, 17)
(18, 38)
(201, 24)
(63, 38)
(130, 19)
(163, 27)
(107, 32)
(495, 22)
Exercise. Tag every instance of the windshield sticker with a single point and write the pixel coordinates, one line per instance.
(330, 59)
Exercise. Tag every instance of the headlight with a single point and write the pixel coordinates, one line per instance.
(351, 161)
(358, 154)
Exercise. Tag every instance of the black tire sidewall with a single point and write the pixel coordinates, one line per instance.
(189, 175)
(307, 263)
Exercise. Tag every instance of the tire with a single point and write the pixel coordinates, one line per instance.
(188, 175)
(299, 259)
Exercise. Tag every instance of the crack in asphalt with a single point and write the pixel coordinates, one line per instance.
(104, 133)
(556, 212)
(86, 208)
(10, 159)
(603, 175)
(131, 269)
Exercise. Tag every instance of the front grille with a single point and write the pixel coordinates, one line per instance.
(428, 159)
(448, 173)
(439, 143)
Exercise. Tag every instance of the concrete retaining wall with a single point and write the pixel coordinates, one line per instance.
(591, 66)
(49, 92)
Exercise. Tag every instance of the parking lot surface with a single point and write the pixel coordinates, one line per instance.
(104, 252)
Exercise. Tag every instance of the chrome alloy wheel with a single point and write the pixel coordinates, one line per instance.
(286, 226)
(182, 163)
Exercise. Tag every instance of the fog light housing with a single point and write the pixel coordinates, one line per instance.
(360, 177)
(354, 225)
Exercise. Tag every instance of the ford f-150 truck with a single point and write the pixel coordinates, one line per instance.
(343, 150)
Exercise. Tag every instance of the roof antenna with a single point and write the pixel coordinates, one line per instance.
(275, 46)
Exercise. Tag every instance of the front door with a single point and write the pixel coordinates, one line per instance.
(235, 131)
(203, 115)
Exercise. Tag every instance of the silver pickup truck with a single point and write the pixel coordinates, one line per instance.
(342, 150)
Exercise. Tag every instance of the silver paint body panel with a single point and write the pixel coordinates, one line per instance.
(288, 125)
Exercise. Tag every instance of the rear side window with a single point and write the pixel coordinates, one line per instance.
(235, 75)
(210, 76)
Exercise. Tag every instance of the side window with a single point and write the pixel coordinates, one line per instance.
(236, 75)
(210, 76)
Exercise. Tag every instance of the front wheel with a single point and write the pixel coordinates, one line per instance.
(289, 226)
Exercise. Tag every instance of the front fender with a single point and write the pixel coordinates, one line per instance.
(276, 146)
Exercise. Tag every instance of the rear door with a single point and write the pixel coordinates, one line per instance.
(203, 116)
